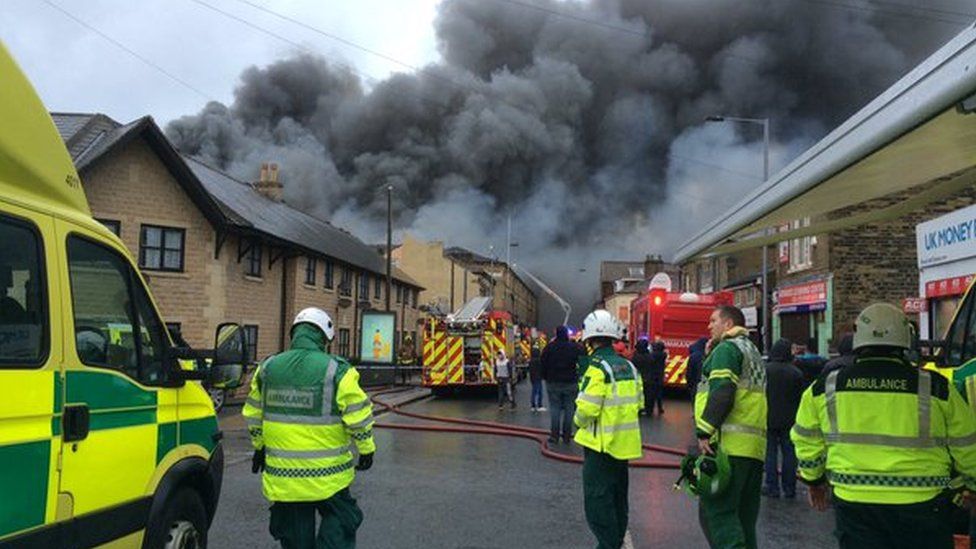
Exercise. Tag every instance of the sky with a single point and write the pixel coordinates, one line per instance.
(76, 70)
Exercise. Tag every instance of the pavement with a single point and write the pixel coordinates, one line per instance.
(464, 491)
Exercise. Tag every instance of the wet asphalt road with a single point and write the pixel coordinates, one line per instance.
(439, 490)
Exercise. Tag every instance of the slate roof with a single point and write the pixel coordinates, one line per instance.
(225, 200)
(280, 220)
(617, 270)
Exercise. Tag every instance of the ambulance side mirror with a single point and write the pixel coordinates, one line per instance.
(230, 356)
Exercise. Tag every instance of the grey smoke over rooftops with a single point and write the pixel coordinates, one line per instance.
(589, 134)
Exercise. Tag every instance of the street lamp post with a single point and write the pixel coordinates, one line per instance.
(389, 244)
(764, 122)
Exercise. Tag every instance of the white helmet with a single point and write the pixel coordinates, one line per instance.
(882, 324)
(600, 323)
(318, 318)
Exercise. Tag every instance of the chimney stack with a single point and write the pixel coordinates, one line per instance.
(268, 183)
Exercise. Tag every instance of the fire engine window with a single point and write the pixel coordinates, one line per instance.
(23, 301)
(115, 324)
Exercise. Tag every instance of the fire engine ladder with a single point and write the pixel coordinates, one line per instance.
(472, 310)
(562, 302)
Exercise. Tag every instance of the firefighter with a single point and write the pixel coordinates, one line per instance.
(886, 436)
(607, 409)
(304, 410)
(730, 411)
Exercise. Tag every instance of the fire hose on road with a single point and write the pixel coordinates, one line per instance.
(470, 426)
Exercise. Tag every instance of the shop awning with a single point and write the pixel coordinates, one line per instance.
(920, 131)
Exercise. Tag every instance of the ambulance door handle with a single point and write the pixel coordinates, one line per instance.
(75, 422)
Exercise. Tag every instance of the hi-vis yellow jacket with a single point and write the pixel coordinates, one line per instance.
(608, 405)
(884, 431)
(731, 397)
(305, 408)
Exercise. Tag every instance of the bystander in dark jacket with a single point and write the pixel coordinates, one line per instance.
(784, 387)
(696, 357)
(642, 361)
(846, 358)
(559, 371)
(659, 360)
(535, 376)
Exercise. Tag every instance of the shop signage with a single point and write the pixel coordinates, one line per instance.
(948, 286)
(752, 316)
(809, 295)
(946, 239)
(914, 305)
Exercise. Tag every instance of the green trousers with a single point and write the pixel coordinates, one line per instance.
(927, 525)
(293, 523)
(605, 498)
(729, 519)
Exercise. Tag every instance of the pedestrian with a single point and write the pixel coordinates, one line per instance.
(886, 436)
(304, 410)
(784, 387)
(503, 374)
(559, 371)
(696, 357)
(642, 361)
(659, 360)
(535, 376)
(607, 411)
(730, 410)
(846, 350)
(808, 361)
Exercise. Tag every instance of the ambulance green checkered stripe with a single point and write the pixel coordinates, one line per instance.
(199, 431)
(106, 391)
(23, 485)
(362, 436)
(889, 480)
(812, 463)
(165, 440)
(307, 473)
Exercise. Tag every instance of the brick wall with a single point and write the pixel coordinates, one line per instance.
(878, 262)
(132, 186)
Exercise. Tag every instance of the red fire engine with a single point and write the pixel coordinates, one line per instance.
(675, 318)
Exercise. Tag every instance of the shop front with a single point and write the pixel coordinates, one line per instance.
(803, 313)
(946, 249)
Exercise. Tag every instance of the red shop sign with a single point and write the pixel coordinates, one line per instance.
(808, 293)
(948, 286)
(914, 305)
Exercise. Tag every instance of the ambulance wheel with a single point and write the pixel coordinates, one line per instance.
(217, 396)
(183, 523)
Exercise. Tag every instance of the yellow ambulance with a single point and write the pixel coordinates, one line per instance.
(104, 438)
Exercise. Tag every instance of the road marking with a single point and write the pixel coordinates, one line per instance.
(628, 541)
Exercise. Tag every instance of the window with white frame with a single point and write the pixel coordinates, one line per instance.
(801, 249)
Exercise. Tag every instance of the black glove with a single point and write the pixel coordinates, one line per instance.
(257, 461)
(365, 462)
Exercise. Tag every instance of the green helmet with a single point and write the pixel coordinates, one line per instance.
(882, 324)
(705, 474)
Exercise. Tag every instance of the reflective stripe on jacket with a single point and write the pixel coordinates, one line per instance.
(609, 404)
(736, 361)
(305, 408)
(884, 431)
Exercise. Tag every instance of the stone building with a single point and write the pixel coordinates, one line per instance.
(452, 276)
(216, 249)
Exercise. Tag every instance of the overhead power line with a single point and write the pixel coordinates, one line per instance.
(145, 60)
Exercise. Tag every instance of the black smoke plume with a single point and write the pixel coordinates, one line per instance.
(582, 120)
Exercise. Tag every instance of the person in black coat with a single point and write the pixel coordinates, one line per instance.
(846, 358)
(659, 359)
(559, 371)
(535, 376)
(642, 361)
(784, 387)
(696, 357)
